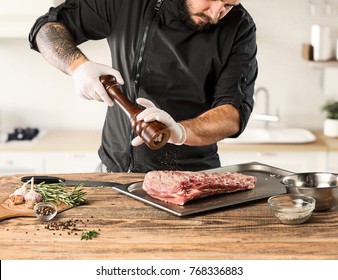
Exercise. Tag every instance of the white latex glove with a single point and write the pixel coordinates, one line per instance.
(87, 81)
(151, 113)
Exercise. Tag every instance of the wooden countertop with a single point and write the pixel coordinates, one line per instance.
(130, 229)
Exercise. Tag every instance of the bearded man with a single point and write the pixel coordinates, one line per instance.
(190, 63)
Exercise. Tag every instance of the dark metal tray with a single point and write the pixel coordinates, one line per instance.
(267, 185)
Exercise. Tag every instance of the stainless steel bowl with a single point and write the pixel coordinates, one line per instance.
(322, 186)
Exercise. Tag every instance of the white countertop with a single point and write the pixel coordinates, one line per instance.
(57, 141)
(321, 143)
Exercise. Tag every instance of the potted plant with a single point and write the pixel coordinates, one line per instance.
(331, 121)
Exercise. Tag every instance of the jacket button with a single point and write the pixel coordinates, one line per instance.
(244, 79)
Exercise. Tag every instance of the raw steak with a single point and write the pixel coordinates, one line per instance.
(178, 187)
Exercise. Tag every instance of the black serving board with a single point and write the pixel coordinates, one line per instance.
(268, 184)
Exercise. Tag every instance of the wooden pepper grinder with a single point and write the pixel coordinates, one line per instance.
(155, 134)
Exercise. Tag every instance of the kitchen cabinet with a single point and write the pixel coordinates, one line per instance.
(305, 157)
(76, 151)
(332, 161)
(52, 152)
(70, 162)
(18, 16)
(295, 161)
(20, 163)
(47, 162)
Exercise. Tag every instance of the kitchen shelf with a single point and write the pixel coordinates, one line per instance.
(324, 64)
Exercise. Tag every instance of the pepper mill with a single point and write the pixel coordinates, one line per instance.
(154, 134)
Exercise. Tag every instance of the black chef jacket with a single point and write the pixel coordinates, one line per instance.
(183, 72)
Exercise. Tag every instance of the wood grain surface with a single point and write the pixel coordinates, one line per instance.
(130, 229)
(9, 210)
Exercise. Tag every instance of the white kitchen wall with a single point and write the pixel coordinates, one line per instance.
(295, 88)
(33, 93)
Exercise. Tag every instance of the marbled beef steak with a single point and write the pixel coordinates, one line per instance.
(178, 187)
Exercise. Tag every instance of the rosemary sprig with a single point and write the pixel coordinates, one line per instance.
(89, 234)
(55, 192)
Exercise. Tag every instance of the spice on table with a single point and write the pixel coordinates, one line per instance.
(55, 193)
(59, 192)
(289, 217)
(32, 197)
(45, 210)
(70, 225)
(18, 196)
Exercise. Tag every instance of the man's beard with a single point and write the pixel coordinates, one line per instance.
(185, 17)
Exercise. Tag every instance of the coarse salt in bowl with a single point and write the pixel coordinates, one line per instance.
(292, 209)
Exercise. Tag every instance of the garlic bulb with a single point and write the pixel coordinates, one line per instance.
(17, 197)
(32, 197)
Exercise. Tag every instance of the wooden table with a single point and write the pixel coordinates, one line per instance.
(132, 230)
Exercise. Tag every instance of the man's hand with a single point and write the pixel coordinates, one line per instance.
(87, 81)
(151, 113)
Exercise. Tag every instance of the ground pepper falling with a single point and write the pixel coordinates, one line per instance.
(170, 159)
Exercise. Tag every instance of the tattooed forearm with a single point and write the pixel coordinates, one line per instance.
(58, 47)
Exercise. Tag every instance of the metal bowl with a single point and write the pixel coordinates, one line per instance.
(322, 186)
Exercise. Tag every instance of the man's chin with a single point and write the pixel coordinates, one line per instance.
(202, 27)
(199, 26)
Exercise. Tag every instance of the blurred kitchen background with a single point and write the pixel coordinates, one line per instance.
(36, 95)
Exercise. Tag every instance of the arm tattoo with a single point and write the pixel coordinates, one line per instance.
(57, 46)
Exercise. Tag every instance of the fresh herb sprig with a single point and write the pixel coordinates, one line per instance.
(89, 234)
(72, 196)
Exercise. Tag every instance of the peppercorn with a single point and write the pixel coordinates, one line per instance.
(45, 210)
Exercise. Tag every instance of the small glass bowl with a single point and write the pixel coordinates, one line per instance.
(45, 211)
(292, 209)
